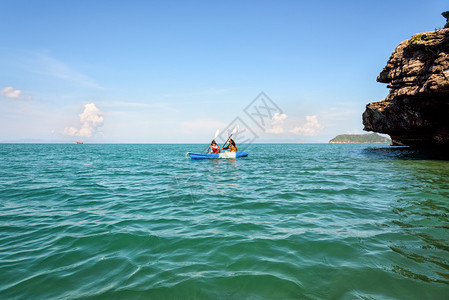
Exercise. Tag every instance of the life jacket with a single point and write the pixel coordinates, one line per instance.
(232, 148)
(215, 149)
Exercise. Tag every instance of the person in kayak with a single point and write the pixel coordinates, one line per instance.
(214, 147)
(232, 146)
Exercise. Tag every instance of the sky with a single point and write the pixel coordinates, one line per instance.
(176, 71)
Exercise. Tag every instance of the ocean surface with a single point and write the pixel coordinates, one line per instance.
(290, 221)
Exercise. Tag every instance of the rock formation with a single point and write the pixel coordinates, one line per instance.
(446, 15)
(416, 111)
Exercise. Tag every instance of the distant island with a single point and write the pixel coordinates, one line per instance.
(360, 138)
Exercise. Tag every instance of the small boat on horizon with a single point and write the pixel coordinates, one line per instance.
(79, 142)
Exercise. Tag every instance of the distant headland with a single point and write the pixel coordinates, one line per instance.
(360, 138)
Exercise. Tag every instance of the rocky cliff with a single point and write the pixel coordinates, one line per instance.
(416, 111)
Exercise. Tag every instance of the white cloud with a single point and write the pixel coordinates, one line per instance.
(10, 92)
(90, 119)
(311, 127)
(276, 123)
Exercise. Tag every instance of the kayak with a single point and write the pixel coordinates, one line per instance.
(216, 155)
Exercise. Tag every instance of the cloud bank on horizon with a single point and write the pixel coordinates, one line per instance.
(91, 118)
(310, 128)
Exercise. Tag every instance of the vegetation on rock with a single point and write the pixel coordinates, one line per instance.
(415, 39)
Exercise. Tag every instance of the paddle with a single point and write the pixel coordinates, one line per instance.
(236, 128)
(216, 135)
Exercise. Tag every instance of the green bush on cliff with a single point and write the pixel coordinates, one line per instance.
(417, 38)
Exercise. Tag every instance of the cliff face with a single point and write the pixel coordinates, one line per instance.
(416, 111)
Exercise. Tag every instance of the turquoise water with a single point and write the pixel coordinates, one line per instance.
(293, 221)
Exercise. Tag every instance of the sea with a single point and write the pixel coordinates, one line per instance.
(290, 221)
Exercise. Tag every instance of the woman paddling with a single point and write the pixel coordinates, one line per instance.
(214, 147)
(232, 146)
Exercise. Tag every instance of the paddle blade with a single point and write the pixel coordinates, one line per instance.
(216, 133)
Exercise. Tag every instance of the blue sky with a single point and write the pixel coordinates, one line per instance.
(176, 71)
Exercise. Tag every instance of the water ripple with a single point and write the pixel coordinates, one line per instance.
(287, 222)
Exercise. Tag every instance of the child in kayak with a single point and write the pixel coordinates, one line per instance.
(232, 146)
(214, 147)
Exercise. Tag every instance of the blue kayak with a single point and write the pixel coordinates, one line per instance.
(216, 155)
